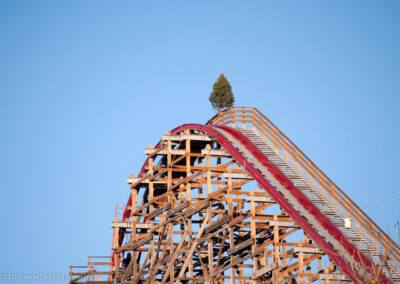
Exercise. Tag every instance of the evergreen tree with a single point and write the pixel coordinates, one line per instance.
(222, 95)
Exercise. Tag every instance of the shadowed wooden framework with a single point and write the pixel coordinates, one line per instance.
(196, 215)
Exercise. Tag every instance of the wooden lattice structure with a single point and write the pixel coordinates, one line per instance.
(235, 201)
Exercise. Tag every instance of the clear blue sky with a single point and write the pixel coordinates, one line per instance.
(85, 86)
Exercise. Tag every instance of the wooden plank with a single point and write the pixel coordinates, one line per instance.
(332, 276)
(100, 263)
(187, 213)
(151, 151)
(128, 225)
(265, 199)
(237, 175)
(174, 255)
(192, 137)
(144, 206)
(141, 242)
(263, 271)
(240, 246)
(236, 261)
(217, 224)
(290, 224)
(158, 211)
(193, 247)
(307, 249)
(142, 267)
(177, 209)
(207, 237)
(136, 180)
(215, 152)
(148, 176)
(193, 210)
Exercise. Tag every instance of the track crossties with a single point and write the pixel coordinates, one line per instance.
(235, 201)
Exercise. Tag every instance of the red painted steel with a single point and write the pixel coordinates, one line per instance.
(270, 189)
(308, 205)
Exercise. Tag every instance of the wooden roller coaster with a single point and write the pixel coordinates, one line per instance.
(235, 201)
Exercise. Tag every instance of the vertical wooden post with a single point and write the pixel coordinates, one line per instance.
(308, 270)
(89, 270)
(219, 177)
(253, 231)
(188, 166)
(151, 196)
(210, 244)
(151, 188)
(231, 245)
(230, 206)
(133, 233)
(171, 236)
(201, 186)
(320, 265)
(326, 270)
(208, 165)
(301, 265)
(189, 193)
(276, 250)
(169, 159)
(116, 247)
(190, 242)
(284, 253)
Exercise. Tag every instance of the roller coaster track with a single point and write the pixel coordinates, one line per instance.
(258, 211)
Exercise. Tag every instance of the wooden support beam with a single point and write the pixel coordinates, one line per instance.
(193, 247)
(158, 211)
(289, 224)
(140, 243)
(265, 199)
(182, 137)
(263, 271)
(237, 175)
(128, 225)
(307, 249)
(217, 224)
(240, 246)
(216, 153)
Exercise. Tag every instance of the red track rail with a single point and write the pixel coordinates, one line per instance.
(288, 184)
(329, 250)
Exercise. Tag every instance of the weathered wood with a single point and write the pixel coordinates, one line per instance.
(266, 199)
(173, 256)
(263, 271)
(237, 175)
(199, 221)
(158, 211)
(331, 276)
(217, 224)
(143, 181)
(215, 152)
(177, 209)
(193, 247)
(141, 242)
(164, 152)
(187, 137)
(240, 246)
(128, 225)
(307, 249)
(290, 224)
(193, 210)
